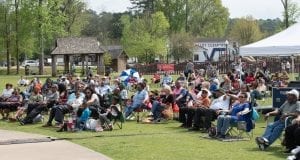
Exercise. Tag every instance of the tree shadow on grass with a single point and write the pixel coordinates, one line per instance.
(115, 135)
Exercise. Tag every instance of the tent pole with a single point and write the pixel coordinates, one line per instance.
(293, 67)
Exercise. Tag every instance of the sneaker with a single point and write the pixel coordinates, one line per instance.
(259, 143)
(260, 140)
(266, 141)
(296, 150)
(262, 144)
(293, 157)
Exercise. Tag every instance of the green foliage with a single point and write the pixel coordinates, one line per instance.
(290, 13)
(107, 59)
(145, 37)
(270, 26)
(107, 27)
(175, 12)
(181, 46)
(245, 31)
(207, 18)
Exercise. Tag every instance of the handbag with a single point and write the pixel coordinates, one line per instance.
(255, 115)
(175, 107)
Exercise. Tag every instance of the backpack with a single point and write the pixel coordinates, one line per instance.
(212, 131)
(255, 115)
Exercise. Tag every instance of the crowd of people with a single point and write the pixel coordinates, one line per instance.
(196, 98)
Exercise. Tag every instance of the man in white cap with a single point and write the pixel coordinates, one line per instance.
(273, 131)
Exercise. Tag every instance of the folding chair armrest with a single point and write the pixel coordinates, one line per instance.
(288, 120)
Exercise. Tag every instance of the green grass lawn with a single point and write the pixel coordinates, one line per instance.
(158, 141)
(155, 141)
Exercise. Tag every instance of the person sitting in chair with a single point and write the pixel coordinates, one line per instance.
(11, 103)
(7, 92)
(35, 99)
(292, 135)
(273, 131)
(167, 79)
(164, 103)
(237, 113)
(140, 97)
(22, 81)
(219, 104)
(156, 78)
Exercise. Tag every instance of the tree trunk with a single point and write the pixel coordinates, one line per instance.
(286, 13)
(7, 40)
(17, 32)
(41, 59)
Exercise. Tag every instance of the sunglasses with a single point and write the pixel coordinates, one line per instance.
(241, 97)
(88, 92)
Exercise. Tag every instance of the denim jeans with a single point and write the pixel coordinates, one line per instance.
(223, 124)
(130, 109)
(273, 131)
(156, 109)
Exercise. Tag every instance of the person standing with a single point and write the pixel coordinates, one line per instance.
(283, 66)
(264, 66)
(288, 66)
(189, 69)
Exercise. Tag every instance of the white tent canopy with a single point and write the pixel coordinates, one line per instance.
(284, 43)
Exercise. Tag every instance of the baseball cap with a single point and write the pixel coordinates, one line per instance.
(293, 92)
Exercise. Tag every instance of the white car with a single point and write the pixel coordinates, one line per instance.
(30, 63)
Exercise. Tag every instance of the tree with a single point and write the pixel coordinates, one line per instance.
(7, 30)
(291, 12)
(175, 11)
(75, 19)
(144, 38)
(207, 18)
(269, 26)
(181, 46)
(245, 31)
(143, 6)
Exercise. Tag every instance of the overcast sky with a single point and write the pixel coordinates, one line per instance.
(263, 9)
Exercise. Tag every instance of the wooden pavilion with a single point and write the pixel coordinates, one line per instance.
(78, 46)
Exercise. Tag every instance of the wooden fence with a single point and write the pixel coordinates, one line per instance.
(274, 65)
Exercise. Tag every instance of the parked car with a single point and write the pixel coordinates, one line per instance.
(30, 63)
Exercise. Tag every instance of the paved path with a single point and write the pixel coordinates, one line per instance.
(23, 146)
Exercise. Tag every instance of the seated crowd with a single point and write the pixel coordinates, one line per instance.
(195, 101)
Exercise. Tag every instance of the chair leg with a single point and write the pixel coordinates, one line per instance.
(138, 117)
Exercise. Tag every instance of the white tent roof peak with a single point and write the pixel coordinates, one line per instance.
(286, 42)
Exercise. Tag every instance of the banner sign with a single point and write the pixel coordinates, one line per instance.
(165, 67)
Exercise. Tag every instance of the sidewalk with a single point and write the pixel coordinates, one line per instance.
(18, 145)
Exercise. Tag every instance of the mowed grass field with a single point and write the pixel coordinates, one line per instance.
(155, 141)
